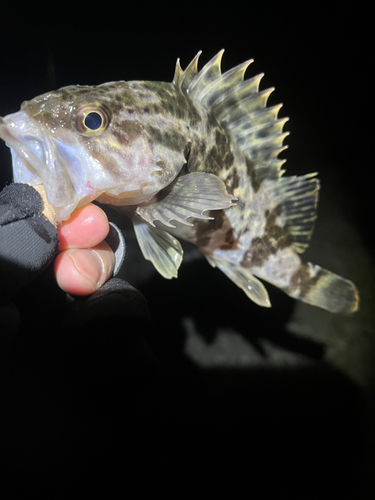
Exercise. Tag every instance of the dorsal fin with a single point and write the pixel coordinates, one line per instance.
(183, 79)
(297, 198)
(177, 73)
(242, 109)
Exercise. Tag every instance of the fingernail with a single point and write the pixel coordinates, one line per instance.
(88, 264)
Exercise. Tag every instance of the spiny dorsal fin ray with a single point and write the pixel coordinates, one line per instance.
(262, 153)
(177, 73)
(212, 94)
(262, 117)
(209, 73)
(190, 73)
(270, 169)
(297, 198)
(237, 98)
(259, 133)
(241, 108)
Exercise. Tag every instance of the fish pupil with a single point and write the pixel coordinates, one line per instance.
(93, 121)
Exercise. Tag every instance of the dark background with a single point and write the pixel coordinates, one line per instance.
(215, 392)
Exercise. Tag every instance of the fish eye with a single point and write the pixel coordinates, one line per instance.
(91, 119)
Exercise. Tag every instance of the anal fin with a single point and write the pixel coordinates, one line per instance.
(242, 277)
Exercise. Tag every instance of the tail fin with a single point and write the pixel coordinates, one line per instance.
(319, 287)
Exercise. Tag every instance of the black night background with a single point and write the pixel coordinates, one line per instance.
(214, 395)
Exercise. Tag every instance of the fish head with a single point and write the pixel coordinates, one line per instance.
(85, 143)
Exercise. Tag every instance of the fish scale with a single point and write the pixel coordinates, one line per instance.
(195, 159)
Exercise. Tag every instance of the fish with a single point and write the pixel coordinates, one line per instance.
(195, 159)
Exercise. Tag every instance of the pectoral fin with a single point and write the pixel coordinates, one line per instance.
(161, 248)
(192, 195)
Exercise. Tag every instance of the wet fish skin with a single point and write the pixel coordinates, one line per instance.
(195, 159)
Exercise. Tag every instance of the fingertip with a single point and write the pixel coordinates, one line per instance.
(82, 271)
(86, 228)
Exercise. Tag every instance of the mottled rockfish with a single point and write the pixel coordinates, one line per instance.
(195, 159)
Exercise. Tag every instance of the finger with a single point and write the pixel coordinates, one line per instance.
(83, 271)
(87, 227)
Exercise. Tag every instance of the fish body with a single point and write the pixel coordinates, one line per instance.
(195, 159)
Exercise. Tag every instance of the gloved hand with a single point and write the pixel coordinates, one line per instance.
(28, 244)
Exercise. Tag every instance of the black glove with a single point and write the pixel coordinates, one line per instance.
(28, 242)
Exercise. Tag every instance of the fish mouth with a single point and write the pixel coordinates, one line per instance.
(34, 161)
(70, 177)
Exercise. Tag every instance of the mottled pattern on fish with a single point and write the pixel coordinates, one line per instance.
(195, 159)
